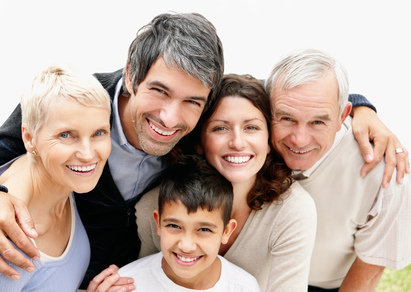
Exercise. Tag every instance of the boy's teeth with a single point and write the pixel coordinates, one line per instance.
(187, 260)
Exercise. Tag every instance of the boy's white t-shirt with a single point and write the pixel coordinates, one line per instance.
(149, 276)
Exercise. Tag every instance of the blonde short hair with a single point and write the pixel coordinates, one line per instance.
(59, 82)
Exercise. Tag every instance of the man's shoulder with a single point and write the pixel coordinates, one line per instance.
(109, 80)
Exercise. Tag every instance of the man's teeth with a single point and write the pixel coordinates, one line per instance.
(161, 132)
(83, 168)
(299, 152)
(187, 260)
(237, 159)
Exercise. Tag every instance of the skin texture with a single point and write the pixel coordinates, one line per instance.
(70, 141)
(306, 119)
(166, 107)
(235, 140)
(362, 277)
(190, 243)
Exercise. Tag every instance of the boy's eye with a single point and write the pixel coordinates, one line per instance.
(204, 229)
(173, 226)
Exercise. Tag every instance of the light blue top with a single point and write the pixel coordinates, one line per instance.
(63, 273)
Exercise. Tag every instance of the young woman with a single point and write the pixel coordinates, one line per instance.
(66, 132)
(276, 217)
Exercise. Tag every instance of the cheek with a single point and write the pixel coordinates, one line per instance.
(190, 118)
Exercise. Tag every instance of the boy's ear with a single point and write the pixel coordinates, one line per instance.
(27, 139)
(156, 216)
(230, 227)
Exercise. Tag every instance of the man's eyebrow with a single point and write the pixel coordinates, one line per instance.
(324, 117)
(166, 88)
(281, 113)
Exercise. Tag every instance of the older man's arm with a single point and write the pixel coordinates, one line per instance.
(362, 277)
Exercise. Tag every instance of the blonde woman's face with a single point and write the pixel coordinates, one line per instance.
(73, 145)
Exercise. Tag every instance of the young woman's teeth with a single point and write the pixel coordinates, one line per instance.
(161, 132)
(237, 159)
(83, 168)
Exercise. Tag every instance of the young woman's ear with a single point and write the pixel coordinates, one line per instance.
(230, 227)
(199, 149)
(27, 139)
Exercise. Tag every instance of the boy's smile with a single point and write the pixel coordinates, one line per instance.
(190, 244)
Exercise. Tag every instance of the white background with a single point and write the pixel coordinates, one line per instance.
(372, 38)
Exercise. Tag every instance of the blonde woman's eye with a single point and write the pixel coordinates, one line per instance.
(65, 135)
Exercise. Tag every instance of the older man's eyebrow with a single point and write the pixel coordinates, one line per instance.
(324, 117)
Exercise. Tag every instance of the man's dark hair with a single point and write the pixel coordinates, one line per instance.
(185, 41)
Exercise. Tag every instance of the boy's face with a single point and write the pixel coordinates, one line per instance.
(190, 242)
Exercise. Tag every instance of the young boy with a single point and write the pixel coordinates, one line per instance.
(193, 219)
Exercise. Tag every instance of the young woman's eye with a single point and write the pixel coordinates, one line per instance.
(219, 128)
(252, 128)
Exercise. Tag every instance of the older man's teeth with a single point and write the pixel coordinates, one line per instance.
(82, 168)
(237, 159)
(161, 132)
(299, 152)
(187, 260)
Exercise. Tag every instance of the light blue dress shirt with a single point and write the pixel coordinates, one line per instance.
(133, 170)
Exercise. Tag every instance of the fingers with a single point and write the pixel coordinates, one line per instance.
(10, 228)
(403, 162)
(109, 280)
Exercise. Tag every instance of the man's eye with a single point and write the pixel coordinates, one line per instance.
(195, 102)
(205, 229)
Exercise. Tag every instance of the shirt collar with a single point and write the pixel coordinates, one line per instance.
(117, 132)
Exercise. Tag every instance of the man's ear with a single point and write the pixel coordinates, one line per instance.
(344, 114)
(230, 227)
(156, 216)
(27, 139)
(129, 83)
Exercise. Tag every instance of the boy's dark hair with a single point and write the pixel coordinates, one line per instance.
(196, 184)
